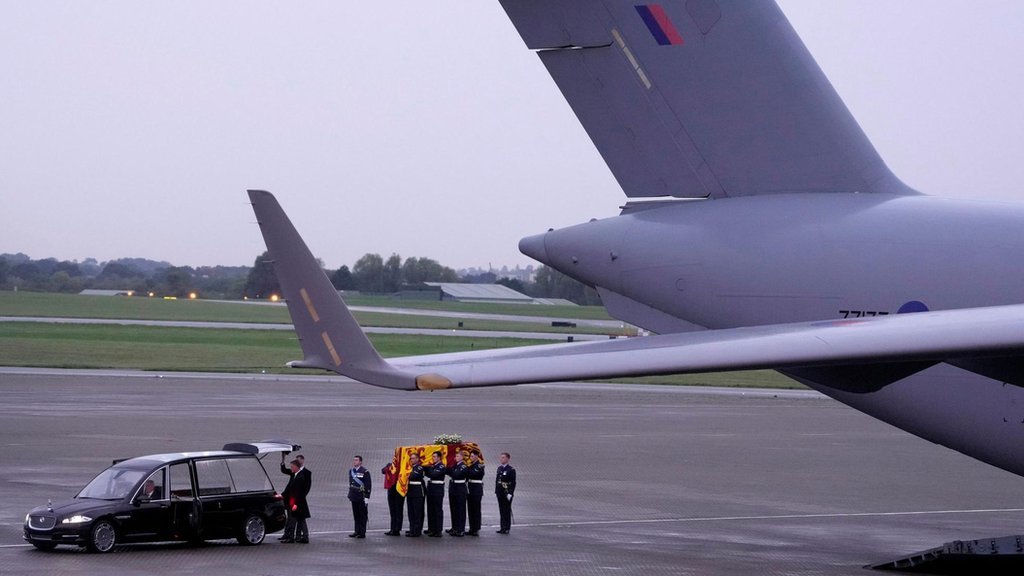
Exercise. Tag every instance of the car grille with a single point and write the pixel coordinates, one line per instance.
(40, 522)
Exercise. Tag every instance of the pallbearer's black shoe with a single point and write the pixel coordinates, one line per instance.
(303, 541)
(472, 533)
(411, 535)
(353, 535)
(286, 540)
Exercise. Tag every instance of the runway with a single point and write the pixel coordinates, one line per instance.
(614, 479)
(269, 326)
(546, 320)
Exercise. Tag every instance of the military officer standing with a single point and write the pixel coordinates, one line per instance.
(476, 492)
(414, 496)
(435, 495)
(457, 494)
(359, 485)
(395, 499)
(505, 488)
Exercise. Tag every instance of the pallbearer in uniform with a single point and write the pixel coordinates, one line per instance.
(505, 488)
(395, 498)
(435, 495)
(415, 495)
(457, 494)
(476, 492)
(359, 485)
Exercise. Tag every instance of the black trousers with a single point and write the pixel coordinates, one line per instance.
(289, 526)
(295, 528)
(395, 501)
(473, 505)
(415, 506)
(505, 509)
(457, 507)
(360, 514)
(435, 513)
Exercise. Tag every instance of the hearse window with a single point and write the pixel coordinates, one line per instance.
(212, 477)
(248, 475)
(112, 484)
(181, 482)
(153, 488)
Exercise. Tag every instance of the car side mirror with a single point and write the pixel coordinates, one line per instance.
(137, 501)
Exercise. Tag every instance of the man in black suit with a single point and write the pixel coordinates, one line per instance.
(298, 509)
(150, 491)
(286, 470)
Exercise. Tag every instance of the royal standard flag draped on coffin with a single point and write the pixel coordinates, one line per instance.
(402, 454)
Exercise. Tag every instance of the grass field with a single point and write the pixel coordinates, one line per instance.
(142, 308)
(192, 349)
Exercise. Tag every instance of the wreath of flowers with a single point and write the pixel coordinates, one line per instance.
(448, 439)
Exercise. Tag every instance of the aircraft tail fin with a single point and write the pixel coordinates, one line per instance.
(330, 337)
(699, 98)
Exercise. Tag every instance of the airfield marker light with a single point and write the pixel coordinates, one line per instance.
(151, 294)
(131, 293)
(191, 295)
(274, 297)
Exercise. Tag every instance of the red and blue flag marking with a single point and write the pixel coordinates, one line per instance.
(659, 24)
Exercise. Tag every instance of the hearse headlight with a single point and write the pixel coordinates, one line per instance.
(28, 517)
(76, 519)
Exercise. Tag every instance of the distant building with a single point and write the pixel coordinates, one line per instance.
(458, 292)
(93, 292)
(554, 302)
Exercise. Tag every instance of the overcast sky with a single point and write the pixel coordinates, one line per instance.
(424, 128)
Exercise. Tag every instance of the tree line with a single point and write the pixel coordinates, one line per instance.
(370, 274)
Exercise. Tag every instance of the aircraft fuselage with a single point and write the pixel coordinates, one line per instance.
(802, 257)
(792, 258)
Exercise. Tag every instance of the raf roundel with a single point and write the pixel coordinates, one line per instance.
(912, 306)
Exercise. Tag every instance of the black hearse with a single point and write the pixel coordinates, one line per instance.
(188, 496)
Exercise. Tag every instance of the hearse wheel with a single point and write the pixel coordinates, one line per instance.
(102, 537)
(254, 530)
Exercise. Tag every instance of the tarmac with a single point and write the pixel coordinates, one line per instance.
(613, 479)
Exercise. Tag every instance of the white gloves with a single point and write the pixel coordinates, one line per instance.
(509, 496)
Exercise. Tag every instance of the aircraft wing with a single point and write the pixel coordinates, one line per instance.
(984, 340)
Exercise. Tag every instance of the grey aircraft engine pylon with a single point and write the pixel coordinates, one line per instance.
(776, 237)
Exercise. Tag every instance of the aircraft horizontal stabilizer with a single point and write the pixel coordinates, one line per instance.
(332, 340)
